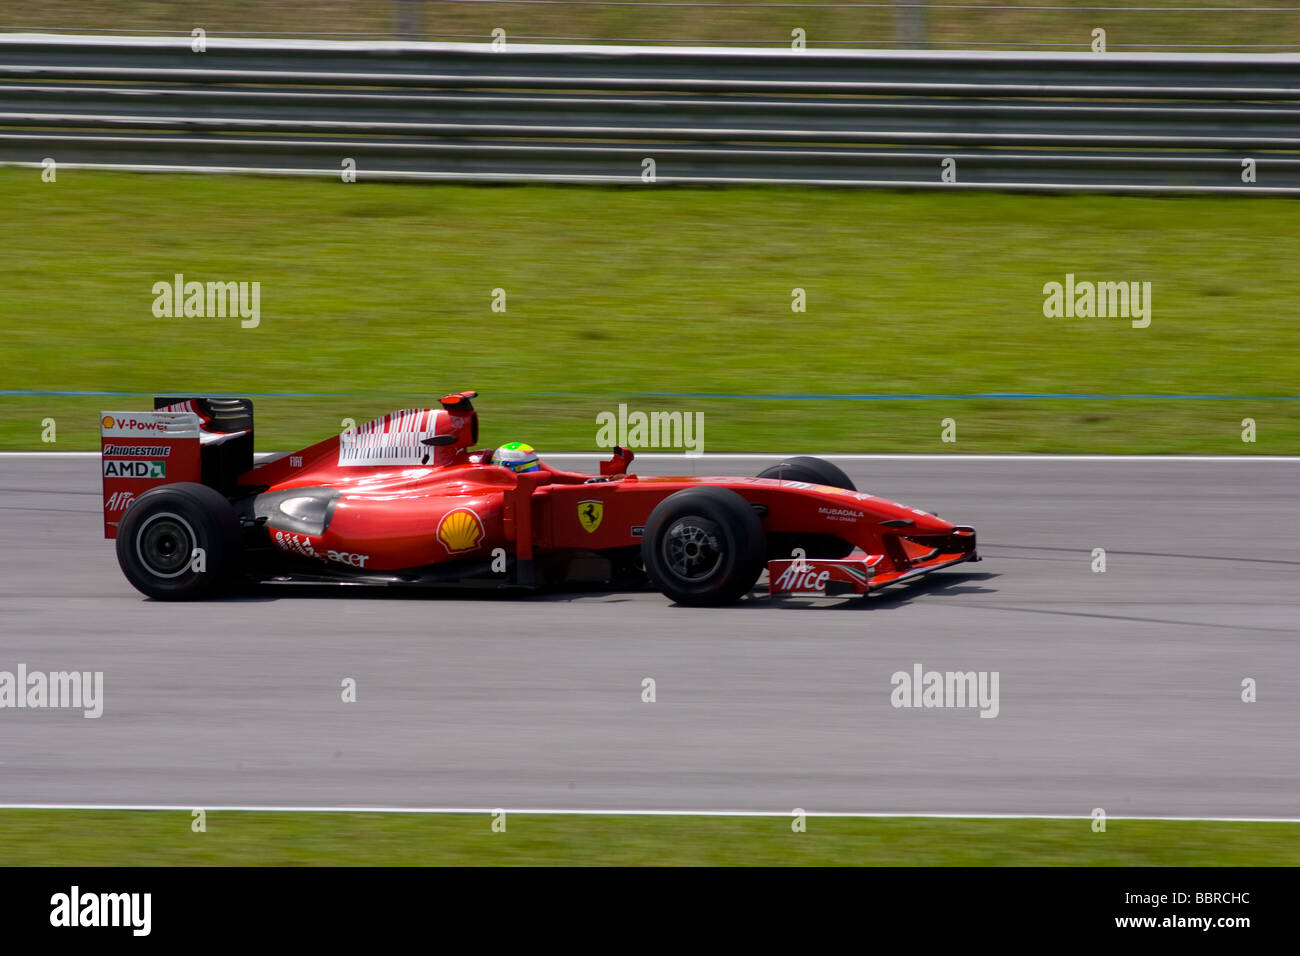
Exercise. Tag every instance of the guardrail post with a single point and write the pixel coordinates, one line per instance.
(910, 20)
(406, 19)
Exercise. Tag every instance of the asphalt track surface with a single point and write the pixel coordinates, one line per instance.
(1118, 690)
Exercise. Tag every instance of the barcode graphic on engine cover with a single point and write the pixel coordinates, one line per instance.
(391, 440)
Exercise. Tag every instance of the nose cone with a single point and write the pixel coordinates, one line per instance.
(915, 521)
(933, 524)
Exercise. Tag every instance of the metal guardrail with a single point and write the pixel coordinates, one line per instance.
(1146, 122)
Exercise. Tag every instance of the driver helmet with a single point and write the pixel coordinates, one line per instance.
(517, 456)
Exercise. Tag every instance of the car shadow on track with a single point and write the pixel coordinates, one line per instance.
(940, 584)
(271, 592)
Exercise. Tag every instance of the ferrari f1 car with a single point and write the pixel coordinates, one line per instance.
(406, 499)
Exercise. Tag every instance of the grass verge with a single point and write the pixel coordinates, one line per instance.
(165, 838)
(1155, 23)
(376, 296)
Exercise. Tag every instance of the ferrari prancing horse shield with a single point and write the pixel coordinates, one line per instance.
(589, 514)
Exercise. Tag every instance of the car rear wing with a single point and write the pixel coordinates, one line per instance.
(206, 440)
(142, 450)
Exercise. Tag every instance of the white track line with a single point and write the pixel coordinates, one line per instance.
(187, 808)
(745, 456)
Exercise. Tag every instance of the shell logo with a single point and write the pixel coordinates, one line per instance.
(107, 421)
(460, 530)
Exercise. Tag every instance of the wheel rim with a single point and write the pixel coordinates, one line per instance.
(693, 548)
(165, 544)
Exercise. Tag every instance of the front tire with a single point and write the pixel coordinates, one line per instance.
(159, 533)
(815, 471)
(704, 547)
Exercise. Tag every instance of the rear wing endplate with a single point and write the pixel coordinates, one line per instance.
(142, 450)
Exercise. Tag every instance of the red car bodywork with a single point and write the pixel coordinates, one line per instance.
(406, 498)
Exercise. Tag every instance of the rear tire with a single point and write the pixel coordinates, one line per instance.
(815, 471)
(704, 547)
(158, 535)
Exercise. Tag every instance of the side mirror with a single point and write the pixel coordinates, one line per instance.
(435, 441)
(618, 462)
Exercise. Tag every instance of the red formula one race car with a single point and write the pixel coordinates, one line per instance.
(405, 499)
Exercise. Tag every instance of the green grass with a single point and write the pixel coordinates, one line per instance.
(736, 24)
(383, 291)
(165, 838)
